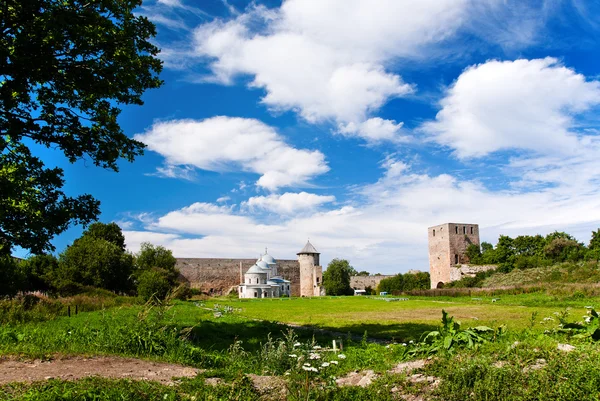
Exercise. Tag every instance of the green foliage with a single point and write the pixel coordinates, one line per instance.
(155, 256)
(93, 262)
(37, 272)
(336, 279)
(11, 279)
(110, 232)
(404, 282)
(450, 337)
(67, 68)
(154, 284)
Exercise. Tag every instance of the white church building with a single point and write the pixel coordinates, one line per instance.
(261, 280)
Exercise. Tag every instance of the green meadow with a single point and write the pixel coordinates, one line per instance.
(230, 339)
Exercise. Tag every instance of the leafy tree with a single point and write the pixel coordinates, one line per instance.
(595, 240)
(37, 272)
(529, 245)
(110, 232)
(93, 262)
(363, 273)
(336, 279)
(405, 282)
(155, 256)
(505, 249)
(561, 249)
(66, 68)
(473, 252)
(11, 280)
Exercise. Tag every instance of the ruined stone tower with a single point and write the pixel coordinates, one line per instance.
(447, 248)
(311, 273)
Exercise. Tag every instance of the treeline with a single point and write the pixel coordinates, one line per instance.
(404, 282)
(529, 251)
(97, 259)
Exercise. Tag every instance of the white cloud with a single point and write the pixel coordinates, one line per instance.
(374, 130)
(224, 143)
(223, 199)
(385, 230)
(287, 203)
(170, 171)
(522, 104)
(334, 60)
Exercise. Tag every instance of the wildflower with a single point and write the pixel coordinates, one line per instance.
(293, 356)
(306, 364)
(588, 319)
(556, 313)
(387, 346)
(287, 373)
(341, 356)
(404, 344)
(314, 356)
(548, 319)
(324, 364)
(411, 342)
(317, 347)
(589, 307)
(334, 362)
(297, 345)
(310, 369)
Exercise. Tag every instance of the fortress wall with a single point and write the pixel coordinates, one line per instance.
(219, 275)
(361, 282)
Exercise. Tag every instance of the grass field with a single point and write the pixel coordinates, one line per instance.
(251, 339)
(404, 320)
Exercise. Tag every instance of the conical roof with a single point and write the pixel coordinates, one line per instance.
(308, 248)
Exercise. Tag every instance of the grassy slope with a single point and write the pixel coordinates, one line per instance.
(566, 273)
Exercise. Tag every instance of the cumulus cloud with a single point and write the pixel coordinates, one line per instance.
(374, 130)
(287, 203)
(223, 143)
(522, 104)
(384, 229)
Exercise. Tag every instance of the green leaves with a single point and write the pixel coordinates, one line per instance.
(66, 69)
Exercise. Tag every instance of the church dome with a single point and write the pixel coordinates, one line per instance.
(268, 259)
(262, 264)
(255, 269)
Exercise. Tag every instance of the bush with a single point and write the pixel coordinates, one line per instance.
(153, 284)
(11, 279)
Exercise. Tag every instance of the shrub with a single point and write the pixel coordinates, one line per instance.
(153, 284)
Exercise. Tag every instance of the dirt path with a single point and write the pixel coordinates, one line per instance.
(74, 368)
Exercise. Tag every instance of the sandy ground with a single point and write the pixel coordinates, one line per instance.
(74, 368)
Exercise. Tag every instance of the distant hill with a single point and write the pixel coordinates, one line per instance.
(568, 272)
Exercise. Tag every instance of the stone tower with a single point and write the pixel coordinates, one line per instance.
(447, 248)
(311, 273)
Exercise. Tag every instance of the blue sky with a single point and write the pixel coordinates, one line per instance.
(358, 123)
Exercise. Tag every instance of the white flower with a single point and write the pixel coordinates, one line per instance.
(404, 344)
(297, 345)
(556, 313)
(548, 319)
(287, 373)
(341, 356)
(335, 362)
(310, 369)
(306, 364)
(411, 342)
(316, 347)
(588, 319)
(314, 356)
(324, 364)
(293, 356)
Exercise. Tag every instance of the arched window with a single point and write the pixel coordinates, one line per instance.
(456, 228)
(434, 232)
(257, 281)
(317, 280)
(255, 294)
